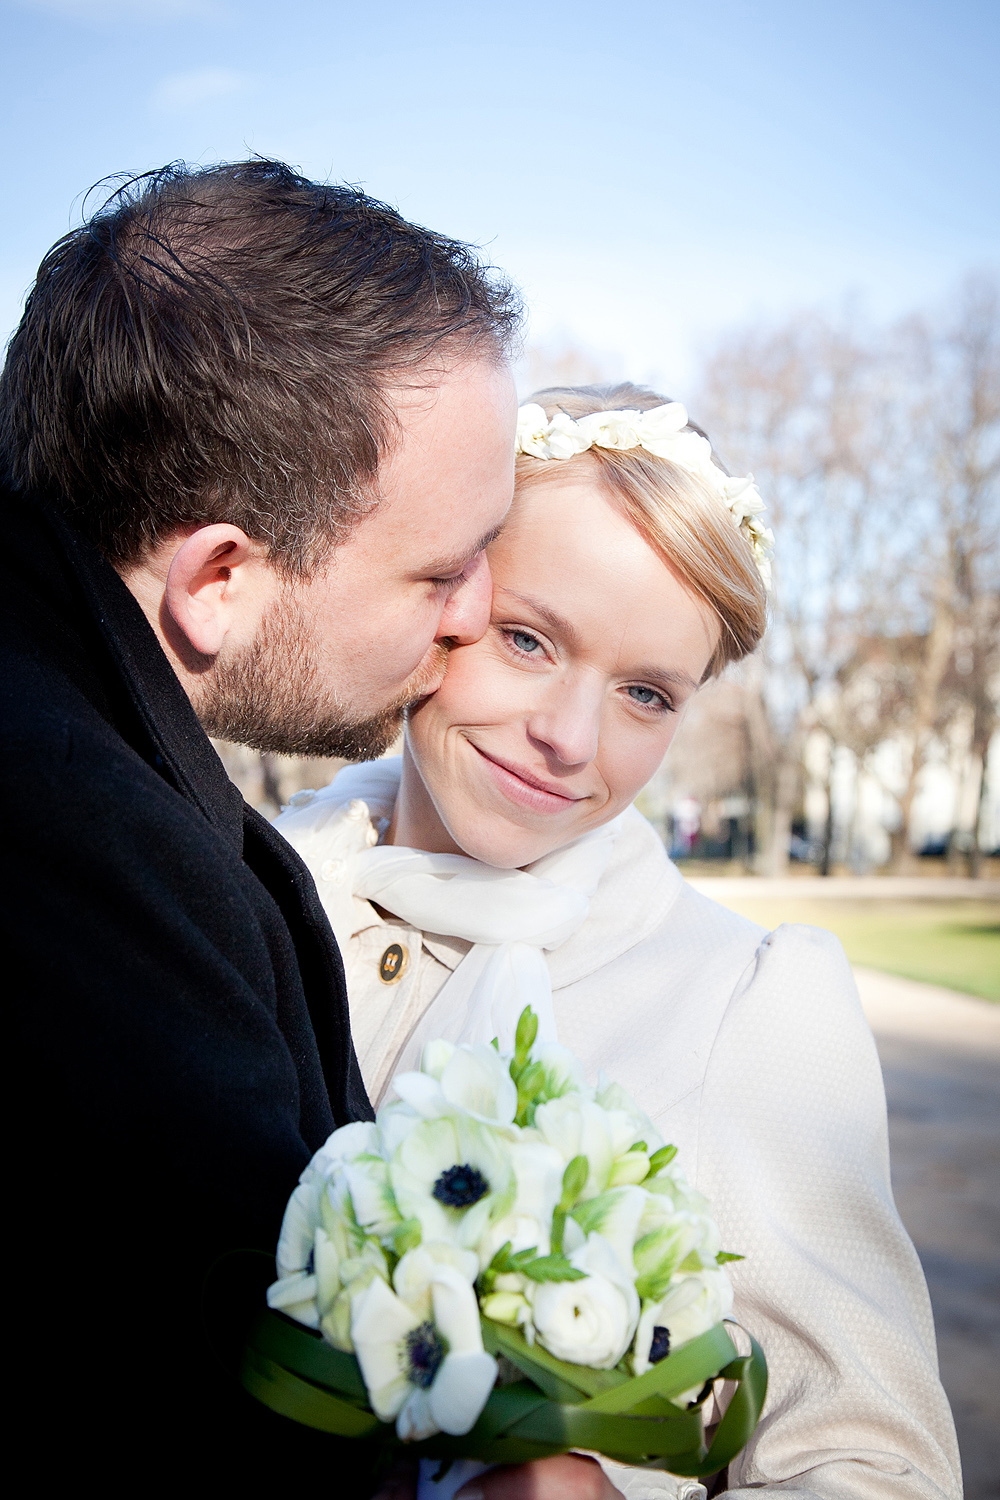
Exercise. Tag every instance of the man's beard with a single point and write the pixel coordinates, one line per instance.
(272, 697)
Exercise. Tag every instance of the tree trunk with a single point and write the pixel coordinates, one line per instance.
(932, 670)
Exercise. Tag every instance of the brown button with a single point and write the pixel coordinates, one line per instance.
(392, 963)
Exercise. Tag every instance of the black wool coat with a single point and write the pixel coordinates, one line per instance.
(183, 1044)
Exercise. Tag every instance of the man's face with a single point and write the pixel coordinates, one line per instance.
(340, 656)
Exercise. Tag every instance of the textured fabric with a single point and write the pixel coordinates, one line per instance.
(183, 1042)
(750, 1052)
(511, 917)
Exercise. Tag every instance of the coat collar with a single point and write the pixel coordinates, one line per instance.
(67, 584)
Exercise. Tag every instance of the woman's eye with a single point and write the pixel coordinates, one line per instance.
(529, 644)
(647, 697)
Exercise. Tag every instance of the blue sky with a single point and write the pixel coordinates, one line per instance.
(650, 173)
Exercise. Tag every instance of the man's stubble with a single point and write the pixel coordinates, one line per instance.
(272, 697)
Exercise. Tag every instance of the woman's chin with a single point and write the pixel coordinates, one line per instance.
(494, 842)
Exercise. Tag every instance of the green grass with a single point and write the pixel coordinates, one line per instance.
(951, 943)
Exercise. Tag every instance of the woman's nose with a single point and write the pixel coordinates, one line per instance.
(467, 612)
(569, 722)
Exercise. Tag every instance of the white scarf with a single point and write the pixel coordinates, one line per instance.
(512, 917)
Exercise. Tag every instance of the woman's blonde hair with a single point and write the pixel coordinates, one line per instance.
(673, 511)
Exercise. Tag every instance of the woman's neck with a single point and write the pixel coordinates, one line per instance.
(415, 822)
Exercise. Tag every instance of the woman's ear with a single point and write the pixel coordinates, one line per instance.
(205, 583)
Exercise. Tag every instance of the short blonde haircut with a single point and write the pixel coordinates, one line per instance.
(673, 511)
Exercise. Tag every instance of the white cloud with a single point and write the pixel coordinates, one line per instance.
(179, 92)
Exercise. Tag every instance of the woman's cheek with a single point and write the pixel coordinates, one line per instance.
(629, 755)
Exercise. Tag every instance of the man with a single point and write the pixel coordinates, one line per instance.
(255, 434)
(254, 437)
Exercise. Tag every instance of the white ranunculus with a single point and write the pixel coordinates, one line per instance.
(692, 1305)
(431, 1372)
(454, 1176)
(631, 1123)
(588, 1322)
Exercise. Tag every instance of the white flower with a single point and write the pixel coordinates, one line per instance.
(538, 1174)
(661, 423)
(692, 1305)
(588, 1322)
(420, 1348)
(611, 429)
(577, 1126)
(454, 1176)
(532, 430)
(475, 1080)
(615, 1216)
(565, 438)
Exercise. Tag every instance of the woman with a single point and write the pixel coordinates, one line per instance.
(500, 862)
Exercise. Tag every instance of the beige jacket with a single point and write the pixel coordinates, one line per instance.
(750, 1052)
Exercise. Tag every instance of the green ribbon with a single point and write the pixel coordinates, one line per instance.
(557, 1407)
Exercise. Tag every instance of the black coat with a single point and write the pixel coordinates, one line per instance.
(184, 1040)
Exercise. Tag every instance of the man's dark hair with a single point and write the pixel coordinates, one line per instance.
(214, 345)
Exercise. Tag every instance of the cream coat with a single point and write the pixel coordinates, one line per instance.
(750, 1052)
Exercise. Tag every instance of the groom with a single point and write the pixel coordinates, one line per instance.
(255, 434)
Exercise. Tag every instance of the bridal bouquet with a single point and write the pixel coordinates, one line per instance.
(505, 1265)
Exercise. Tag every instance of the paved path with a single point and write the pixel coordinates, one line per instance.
(940, 1056)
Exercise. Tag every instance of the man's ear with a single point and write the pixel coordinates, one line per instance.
(205, 584)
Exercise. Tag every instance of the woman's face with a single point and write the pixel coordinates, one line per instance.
(551, 724)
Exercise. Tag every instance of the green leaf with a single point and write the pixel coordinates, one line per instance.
(495, 1044)
(725, 1255)
(552, 1268)
(638, 1146)
(406, 1235)
(660, 1158)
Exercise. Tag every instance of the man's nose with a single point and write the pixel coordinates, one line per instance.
(467, 613)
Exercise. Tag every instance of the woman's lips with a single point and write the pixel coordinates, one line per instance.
(523, 787)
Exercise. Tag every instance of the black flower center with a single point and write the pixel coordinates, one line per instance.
(460, 1187)
(425, 1349)
(660, 1347)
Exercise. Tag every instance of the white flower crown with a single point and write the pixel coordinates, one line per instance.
(662, 431)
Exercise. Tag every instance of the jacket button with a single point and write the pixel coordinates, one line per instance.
(392, 963)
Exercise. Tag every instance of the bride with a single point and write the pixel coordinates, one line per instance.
(500, 862)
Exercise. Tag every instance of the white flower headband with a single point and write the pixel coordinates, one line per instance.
(662, 432)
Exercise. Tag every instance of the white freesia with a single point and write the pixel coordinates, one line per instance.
(615, 1216)
(691, 1305)
(661, 431)
(588, 1322)
(578, 1126)
(538, 1173)
(474, 1080)
(420, 1348)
